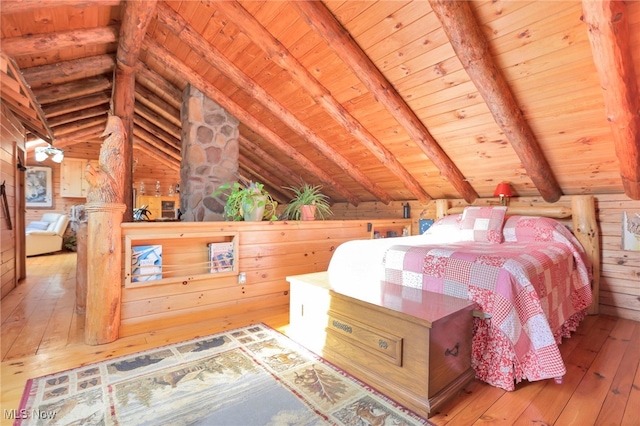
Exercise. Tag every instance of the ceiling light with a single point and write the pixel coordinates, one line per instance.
(43, 152)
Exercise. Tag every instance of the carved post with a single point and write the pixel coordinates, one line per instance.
(105, 208)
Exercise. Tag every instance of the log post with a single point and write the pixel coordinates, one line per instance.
(105, 209)
(104, 277)
(81, 267)
(585, 228)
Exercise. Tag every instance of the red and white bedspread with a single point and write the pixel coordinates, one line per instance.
(535, 291)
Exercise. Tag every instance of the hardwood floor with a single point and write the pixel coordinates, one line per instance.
(41, 334)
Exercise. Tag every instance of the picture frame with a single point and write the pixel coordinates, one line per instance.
(38, 187)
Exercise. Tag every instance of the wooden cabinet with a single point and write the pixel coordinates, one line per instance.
(162, 207)
(72, 180)
(390, 228)
(412, 345)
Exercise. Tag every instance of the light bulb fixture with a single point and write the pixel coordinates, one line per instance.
(504, 191)
(43, 152)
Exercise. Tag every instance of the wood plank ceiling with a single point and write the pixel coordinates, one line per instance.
(376, 101)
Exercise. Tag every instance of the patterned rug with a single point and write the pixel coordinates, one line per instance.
(249, 376)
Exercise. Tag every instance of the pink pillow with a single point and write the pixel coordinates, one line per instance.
(482, 224)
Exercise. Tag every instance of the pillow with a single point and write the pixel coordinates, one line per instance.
(533, 228)
(445, 230)
(482, 224)
(38, 226)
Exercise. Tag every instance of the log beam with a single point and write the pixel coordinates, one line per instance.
(64, 72)
(472, 48)
(320, 18)
(37, 43)
(607, 22)
(167, 59)
(72, 90)
(136, 17)
(150, 79)
(157, 143)
(20, 6)
(78, 104)
(281, 56)
(165, 137)
(156, 154)
(155, 103)
(290, 175)
(151, 116)
(89, 112)
(180, 27)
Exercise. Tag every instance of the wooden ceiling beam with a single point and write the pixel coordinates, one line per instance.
(151, 116)
(137, 15)
(281, 56)
(21, 100)
(19, 6)
(66, 129)
(320, 18)
(76, 104)
(64, 72)
(73, 90)
(472, 48)
(37, 43)
(180, 27)
(167, 59)
(155, 103)
(159, 144)
(156, 154)
(86, 134)
(153, 81)
(290, 175)
(99, 110)
(608, 26)
(140, 121)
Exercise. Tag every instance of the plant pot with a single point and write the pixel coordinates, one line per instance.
(253, 212)
(308, 212)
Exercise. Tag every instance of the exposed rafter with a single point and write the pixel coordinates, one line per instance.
(319, 93)
(609, 35)
(472, 49)
(180, 28)
(214, 93)
(327, 26)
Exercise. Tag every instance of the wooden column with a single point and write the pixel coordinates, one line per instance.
(104, 276)
(81, 268)
(585, 228)
(105, 210)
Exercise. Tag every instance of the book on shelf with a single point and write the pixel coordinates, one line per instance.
(146, 263)
(221, 257)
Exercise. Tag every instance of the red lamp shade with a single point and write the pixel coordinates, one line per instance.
(503, 190)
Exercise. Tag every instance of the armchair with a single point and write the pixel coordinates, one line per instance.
(45, 235)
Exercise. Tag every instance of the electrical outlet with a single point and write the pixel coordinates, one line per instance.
(242, 277)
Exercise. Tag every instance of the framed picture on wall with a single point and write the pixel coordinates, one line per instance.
(39, 187)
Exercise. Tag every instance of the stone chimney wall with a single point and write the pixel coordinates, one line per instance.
(210, 151)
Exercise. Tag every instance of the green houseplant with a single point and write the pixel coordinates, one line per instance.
(247, 201)
(308, 201)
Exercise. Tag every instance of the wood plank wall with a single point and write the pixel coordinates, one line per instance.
(11, 138)
(268, 253)
(619, 271)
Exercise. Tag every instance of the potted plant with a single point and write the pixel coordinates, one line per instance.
(247, 201)
(307, 202)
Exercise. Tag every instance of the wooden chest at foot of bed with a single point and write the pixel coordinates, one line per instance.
(412, 345)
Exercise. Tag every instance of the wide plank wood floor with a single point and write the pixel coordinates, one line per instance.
(42, 334)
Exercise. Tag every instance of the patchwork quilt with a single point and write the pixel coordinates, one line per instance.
(534, 288)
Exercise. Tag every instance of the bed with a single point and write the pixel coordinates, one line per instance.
(531, 277)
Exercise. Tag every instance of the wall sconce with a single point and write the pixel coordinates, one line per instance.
(43, 152)
(504, 191)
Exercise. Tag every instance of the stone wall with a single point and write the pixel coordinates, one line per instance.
(209, 155)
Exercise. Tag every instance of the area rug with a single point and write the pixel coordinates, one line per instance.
(248, 376)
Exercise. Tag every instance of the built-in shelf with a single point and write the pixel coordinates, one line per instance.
(183, 257)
